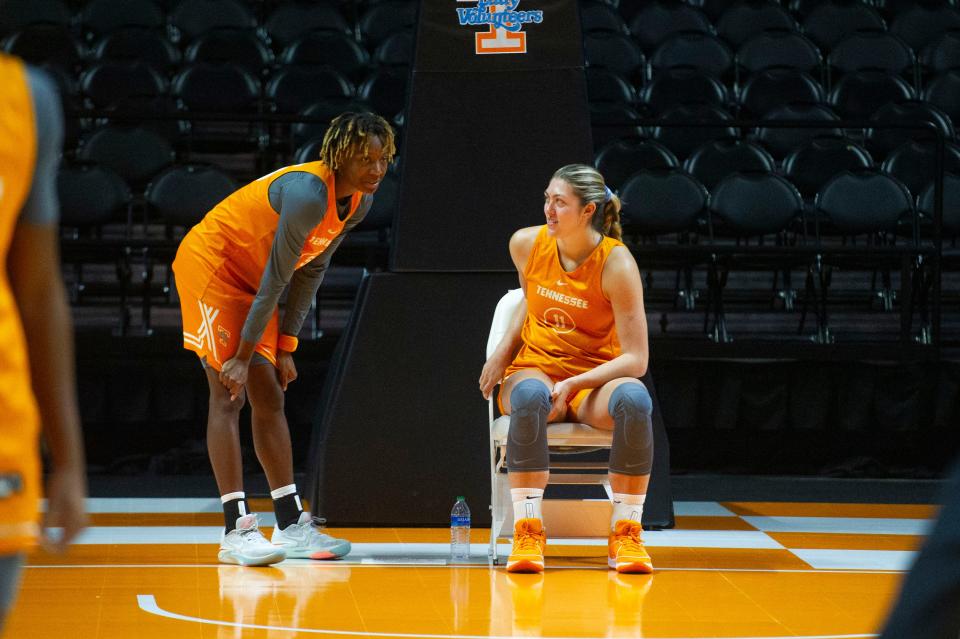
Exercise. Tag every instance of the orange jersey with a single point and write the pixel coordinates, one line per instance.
(19, 417)
(221, 261)
(230, 246)
(569, 328)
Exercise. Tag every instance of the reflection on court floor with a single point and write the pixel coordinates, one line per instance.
(728, 570)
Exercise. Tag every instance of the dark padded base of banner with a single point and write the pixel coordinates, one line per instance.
(479, 151)
(402, 428)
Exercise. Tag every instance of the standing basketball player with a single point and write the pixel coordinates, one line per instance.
(278, 232)
(37, 387)
(582, 340)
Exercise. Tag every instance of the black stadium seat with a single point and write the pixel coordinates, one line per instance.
(882, 139)
(814, 164)
(921, 24)
(866, 202)
(674, 87)
(657, 202)
(782, 140)
(328, 48)
(830, 22)
(45, 44)
(746, 19)
(195, 17)
(100, 17)
(241, 47)
(16, 14)
(779, 49)
(701, 51)
(872, 50)
(683, 140)
(181, 195)
(858, 95)
(717, 159)
(621, 158)
(773, 88)
(614, 51)
(605, 85)
(944, 92)
(293, 88)
(137, 44)
(134, 153)
(658, 21)
(291, 20)
(106, 83)
(915, 163)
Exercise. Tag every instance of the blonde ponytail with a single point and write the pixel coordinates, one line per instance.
(589, 186)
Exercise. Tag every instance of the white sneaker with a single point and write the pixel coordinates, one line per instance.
(304, 540)
(245, 545)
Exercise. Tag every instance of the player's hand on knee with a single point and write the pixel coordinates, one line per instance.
(233, 376)
(286, 369)
(561, 392)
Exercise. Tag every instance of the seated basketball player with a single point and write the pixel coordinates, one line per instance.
(574, 352)
(278, 232)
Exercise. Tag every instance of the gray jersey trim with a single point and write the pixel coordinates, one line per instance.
(42, 206)
(300, 198)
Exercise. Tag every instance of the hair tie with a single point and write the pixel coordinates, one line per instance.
(608, 194)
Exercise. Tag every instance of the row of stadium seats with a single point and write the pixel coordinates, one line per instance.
(861, 50)
(753, 222)
(809, 167)
(684, 127)
(52, 45)
(826, 23)
(281, 23)
(839, 186)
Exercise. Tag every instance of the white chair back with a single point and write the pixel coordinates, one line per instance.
(504, 312)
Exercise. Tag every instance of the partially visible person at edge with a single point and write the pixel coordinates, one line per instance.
(573, 352)
(928, 606)
(278, 232)
(37, 384)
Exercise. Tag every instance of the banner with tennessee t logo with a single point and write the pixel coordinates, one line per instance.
(505, 22)
(489, 130)
(486, 35)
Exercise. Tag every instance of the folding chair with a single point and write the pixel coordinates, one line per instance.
(564, 518)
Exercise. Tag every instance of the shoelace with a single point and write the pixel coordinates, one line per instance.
(528, 541)
(630, 538)
(250, 532)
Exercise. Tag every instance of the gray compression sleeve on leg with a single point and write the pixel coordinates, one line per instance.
(631, 408)
(527, 448)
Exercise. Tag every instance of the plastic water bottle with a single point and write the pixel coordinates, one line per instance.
(460, 531)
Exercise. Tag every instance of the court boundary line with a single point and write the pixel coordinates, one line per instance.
(330, 566)
(148, 604)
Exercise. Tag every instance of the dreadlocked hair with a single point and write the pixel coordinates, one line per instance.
(350, 133)
(588, 185)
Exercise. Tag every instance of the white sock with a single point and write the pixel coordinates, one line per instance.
(527, 503)
(627, 506)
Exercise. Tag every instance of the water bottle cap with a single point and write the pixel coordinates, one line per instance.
(461, 498)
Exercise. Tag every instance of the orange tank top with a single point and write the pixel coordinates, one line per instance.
(569, 328)
(19, 417)
(232, 243)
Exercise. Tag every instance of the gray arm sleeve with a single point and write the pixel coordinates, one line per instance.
(42, 206)
(306, 281)
(301, 199)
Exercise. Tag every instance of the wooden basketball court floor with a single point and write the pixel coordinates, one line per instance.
(147, 568)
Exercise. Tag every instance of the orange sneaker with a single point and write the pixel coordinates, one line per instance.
(625, 551)
(529, 539)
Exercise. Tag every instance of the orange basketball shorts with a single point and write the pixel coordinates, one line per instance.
(212, 323)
